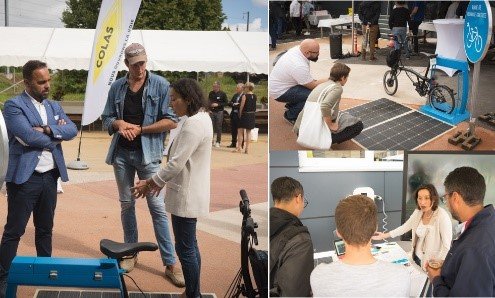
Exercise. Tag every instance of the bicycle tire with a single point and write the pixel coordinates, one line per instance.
(442, 99)
(390, 82)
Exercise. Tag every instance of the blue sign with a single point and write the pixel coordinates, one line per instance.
(477, 29)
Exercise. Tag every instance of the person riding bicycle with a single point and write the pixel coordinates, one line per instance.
(399, 17)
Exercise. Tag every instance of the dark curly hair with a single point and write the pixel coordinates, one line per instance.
(190, 91)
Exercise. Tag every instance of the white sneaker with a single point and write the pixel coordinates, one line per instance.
(307, 33)
(217, 145)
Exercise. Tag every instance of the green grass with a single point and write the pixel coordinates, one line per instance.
(227, 84)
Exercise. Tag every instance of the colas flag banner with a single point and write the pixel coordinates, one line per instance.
(112, 32)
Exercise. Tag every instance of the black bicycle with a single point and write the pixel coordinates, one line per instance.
(440, 97)
(258, 259)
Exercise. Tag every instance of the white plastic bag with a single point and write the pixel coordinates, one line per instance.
(314, 132)
(254, 134)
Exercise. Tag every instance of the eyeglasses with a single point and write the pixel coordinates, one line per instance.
(444, 198)
(305, 202)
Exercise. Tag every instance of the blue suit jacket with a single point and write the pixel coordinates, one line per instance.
(20, 117)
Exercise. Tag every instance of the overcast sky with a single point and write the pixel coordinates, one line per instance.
(47, 13)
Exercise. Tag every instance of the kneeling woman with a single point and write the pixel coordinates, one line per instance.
(330, 105)
(187, 176)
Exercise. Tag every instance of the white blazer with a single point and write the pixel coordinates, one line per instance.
(187, 172)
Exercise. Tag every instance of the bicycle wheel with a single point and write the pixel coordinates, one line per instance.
(390, 82)
(442, 99)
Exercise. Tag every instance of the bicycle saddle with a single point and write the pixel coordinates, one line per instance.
(117, 250)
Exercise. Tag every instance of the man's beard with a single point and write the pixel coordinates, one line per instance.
(313, 59)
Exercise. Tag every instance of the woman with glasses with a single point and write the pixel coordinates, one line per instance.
(431, 227)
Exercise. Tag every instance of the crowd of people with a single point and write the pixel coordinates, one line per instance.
(140, 110)
(467, 264)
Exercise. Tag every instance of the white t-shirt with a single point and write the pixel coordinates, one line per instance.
(379, 279)
(291, 69)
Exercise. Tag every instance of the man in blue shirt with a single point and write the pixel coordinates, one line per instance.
(36, 128)
(137, 114)
(417, 9)
(469, 268)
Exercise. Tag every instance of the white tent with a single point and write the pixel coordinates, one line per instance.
(67, 48)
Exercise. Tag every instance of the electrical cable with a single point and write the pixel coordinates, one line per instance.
(385, 216)
(127, 275)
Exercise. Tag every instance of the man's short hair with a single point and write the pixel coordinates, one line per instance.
(469, 183)
(355, 217)
(285, 189)
(30, 67)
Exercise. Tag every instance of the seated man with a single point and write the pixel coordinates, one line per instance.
(290, 79)
(358, 273)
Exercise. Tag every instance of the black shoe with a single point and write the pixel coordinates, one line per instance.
(231, 146)
(290, 121)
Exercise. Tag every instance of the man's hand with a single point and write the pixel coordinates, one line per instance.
(38, 128)
(432, 273)
(214, 105)
(128, 130)
(144, 188)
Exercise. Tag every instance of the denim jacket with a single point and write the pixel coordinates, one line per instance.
(155, 107)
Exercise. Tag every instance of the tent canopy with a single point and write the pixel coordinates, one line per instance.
(168, 50)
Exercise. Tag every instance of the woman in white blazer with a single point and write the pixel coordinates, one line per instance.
(431, 227)
(186, 176)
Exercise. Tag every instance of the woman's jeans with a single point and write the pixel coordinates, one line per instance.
(186, 246)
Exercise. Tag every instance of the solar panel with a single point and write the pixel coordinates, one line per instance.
(378, 111)
(406, 132)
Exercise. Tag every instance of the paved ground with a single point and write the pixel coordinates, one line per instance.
(365, 84)
(89, 210)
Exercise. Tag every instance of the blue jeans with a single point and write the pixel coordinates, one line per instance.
(127, 163)
(186, 245)
(295, 98)
(401, 32)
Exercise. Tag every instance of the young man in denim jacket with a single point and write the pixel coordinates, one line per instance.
(138, 116)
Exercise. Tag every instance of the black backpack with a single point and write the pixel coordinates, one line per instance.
(284, 234)
(259, 266)
(393, 58)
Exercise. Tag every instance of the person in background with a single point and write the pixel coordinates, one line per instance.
(218, 99)
(138, 116)
(330, 105)
(358, 273)
(291, 248)
(235, 102)
(430, 225)
(296, 16)
(186, 176)
(307, 8)
(417, 9)
(469, 268)
(247, 114)
(369, 14)
(36, 127)
(399, 17)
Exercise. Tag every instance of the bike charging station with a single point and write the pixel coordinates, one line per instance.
(477, 35)
(460, 112)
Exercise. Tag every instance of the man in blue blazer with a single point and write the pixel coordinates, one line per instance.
(36, 128)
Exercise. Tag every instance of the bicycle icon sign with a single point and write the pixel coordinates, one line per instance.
(473, 37)
(477, 29)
